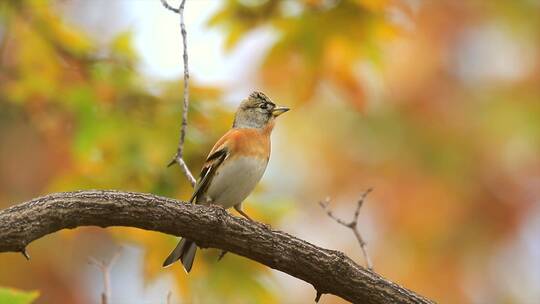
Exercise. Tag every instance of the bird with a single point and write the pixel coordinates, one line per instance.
(234, 166)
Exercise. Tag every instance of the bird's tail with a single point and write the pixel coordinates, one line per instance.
(184, 251)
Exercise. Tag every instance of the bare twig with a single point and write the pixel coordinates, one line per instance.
(353, 224)
(169, 297)
(318, 296)
(25, 254)
(169, 7)
(105, 268)
(221, 255)
(179, 156)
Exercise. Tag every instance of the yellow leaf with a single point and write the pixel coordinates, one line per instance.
(373, 5)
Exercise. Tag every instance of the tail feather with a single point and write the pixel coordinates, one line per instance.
(175, 254)
(189, 255)
(184, 251)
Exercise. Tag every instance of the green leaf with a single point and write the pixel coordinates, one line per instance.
(14, 296)
(122, 46)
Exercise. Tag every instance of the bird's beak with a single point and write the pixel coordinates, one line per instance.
(279, 110)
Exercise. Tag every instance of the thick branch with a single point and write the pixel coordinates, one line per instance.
(328, 271)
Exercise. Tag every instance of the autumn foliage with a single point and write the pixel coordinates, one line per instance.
(434, 104)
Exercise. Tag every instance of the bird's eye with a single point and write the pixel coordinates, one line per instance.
(263, 106)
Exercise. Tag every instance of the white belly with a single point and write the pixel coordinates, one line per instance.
(235, 180)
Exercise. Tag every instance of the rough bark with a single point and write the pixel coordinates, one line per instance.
(329, 271)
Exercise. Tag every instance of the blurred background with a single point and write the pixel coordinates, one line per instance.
(434, 104)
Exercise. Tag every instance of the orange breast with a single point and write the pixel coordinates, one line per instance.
(246, 142)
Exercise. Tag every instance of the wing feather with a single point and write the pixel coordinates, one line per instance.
(213, 161)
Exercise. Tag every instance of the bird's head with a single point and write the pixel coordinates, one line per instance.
(257, 111)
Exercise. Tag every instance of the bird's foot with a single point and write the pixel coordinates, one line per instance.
(242, 213)
(214, 205)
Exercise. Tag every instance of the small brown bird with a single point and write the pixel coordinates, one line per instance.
(234, 166)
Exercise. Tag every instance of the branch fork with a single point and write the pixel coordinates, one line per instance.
(105, 268)
(353, 224)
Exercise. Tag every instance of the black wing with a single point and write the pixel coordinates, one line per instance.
(212, 163)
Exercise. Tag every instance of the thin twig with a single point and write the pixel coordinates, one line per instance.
(167, 6)
(105, 268)
(353, 224)
(179, 156)
(317, 296)
(169, 297)
(25, 254)
(222, 254)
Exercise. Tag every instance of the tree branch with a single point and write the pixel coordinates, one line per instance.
(353, 224)
(105, 268)
(169, 297)
(169, 7)
(327, 270)
(179, 156)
